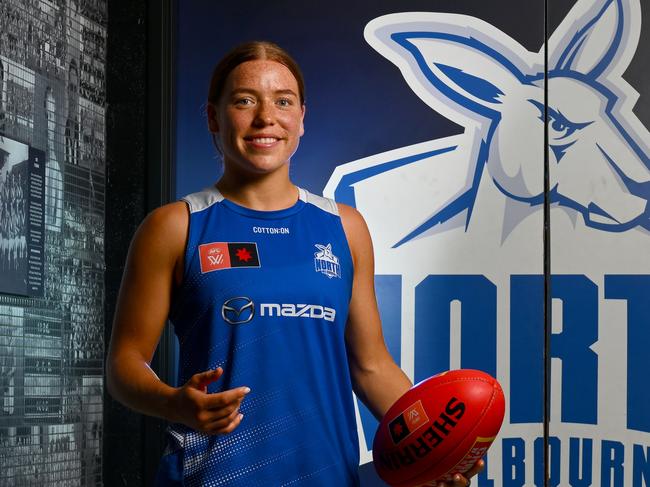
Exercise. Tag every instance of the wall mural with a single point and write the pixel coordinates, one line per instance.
(457, 226)
(429, 117)
(52, 96)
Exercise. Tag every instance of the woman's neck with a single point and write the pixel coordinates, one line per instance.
(268, 192)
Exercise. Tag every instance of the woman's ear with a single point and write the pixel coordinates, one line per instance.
(302, 121)
(213, 125)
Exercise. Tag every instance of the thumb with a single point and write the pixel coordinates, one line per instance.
(202, 379)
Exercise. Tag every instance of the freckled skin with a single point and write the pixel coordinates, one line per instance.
(260, 98)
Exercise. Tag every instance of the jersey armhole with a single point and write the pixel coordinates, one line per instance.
(348, 247)
(187, 259)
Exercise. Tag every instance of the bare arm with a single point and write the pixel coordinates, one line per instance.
(376, 378)
(154, 266)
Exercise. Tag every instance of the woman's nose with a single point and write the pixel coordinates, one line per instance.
(264, 115)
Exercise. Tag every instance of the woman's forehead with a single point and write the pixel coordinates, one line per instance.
(261, 74)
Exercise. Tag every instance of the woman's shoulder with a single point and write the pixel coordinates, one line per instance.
(166, 226)
(356, 232)
(168, 217)
(350, 215)
(161, 238)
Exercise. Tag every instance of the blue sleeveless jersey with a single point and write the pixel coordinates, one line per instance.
(265, 296)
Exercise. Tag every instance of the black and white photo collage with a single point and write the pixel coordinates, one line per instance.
(52, 196)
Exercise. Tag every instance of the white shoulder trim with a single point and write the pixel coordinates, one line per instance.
(203, 199)
(321, 202)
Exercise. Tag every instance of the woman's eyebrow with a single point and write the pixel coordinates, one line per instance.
(237, 91)
(286, 91)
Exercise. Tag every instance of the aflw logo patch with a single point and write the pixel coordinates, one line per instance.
(407, 422)
(216, 256)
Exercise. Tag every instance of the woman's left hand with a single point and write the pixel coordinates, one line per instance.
(463, 480)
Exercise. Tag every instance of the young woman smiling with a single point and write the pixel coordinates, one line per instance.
(276, 327)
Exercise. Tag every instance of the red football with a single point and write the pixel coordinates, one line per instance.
(439, 427)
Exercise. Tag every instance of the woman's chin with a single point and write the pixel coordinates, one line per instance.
(258, 168)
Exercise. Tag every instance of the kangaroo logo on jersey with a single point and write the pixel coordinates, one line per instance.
(226, 255)
(326, 262)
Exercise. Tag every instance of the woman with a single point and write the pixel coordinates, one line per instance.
(270, 290)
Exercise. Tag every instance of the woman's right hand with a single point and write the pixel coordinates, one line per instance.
(214, 414)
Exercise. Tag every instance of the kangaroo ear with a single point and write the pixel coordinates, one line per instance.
(596, 37)
(449, 57)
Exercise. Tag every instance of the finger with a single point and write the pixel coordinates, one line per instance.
(223, 422)
(201, 380)
(457, 481)
(224, 399)
(222, 413)
(460, 481)
(210, 376)
(476, 469)
(229, 428)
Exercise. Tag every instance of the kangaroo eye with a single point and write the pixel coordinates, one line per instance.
(559, 126)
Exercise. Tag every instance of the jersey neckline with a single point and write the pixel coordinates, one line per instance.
(265, 214)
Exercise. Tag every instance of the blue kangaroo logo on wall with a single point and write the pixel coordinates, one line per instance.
(479, 77)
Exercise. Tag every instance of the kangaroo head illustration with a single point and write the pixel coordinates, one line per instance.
(482, 79)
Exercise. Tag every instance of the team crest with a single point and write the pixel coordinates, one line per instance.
(326, 262)
(457, 226)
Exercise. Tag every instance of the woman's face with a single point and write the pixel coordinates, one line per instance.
(259, 117)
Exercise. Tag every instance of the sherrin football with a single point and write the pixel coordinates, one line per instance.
(439, 427)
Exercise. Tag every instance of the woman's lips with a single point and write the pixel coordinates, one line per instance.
(262, 141)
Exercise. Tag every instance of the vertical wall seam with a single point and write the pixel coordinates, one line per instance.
(547, 265)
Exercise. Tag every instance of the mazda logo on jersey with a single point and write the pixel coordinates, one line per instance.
(238, 311)
(241, 309)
